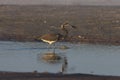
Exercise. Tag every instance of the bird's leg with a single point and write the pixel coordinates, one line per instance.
(54, 48)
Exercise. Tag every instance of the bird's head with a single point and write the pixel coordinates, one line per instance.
(66, 24)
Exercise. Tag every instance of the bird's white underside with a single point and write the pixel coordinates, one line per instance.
(47, 41)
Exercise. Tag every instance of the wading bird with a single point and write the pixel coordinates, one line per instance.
(51, 38)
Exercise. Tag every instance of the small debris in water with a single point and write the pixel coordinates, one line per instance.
(63, 47)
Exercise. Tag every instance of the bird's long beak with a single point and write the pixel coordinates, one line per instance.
(73, 26)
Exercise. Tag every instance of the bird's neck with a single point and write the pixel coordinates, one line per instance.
(65, 33)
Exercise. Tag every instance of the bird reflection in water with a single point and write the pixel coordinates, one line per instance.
(64, 65)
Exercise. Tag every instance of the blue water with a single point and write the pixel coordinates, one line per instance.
(82, 58)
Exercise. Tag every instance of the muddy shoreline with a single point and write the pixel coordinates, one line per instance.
(53, 76)
(95, 24)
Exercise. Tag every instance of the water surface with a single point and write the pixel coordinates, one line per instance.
(82, 58)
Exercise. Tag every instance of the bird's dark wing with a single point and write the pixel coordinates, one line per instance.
(50, 37)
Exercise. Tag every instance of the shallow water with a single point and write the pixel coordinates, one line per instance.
(82, 58)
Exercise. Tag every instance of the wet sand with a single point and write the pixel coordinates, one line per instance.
(52, 76)
(95, 24)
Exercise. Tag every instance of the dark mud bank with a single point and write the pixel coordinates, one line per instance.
(53, 76)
